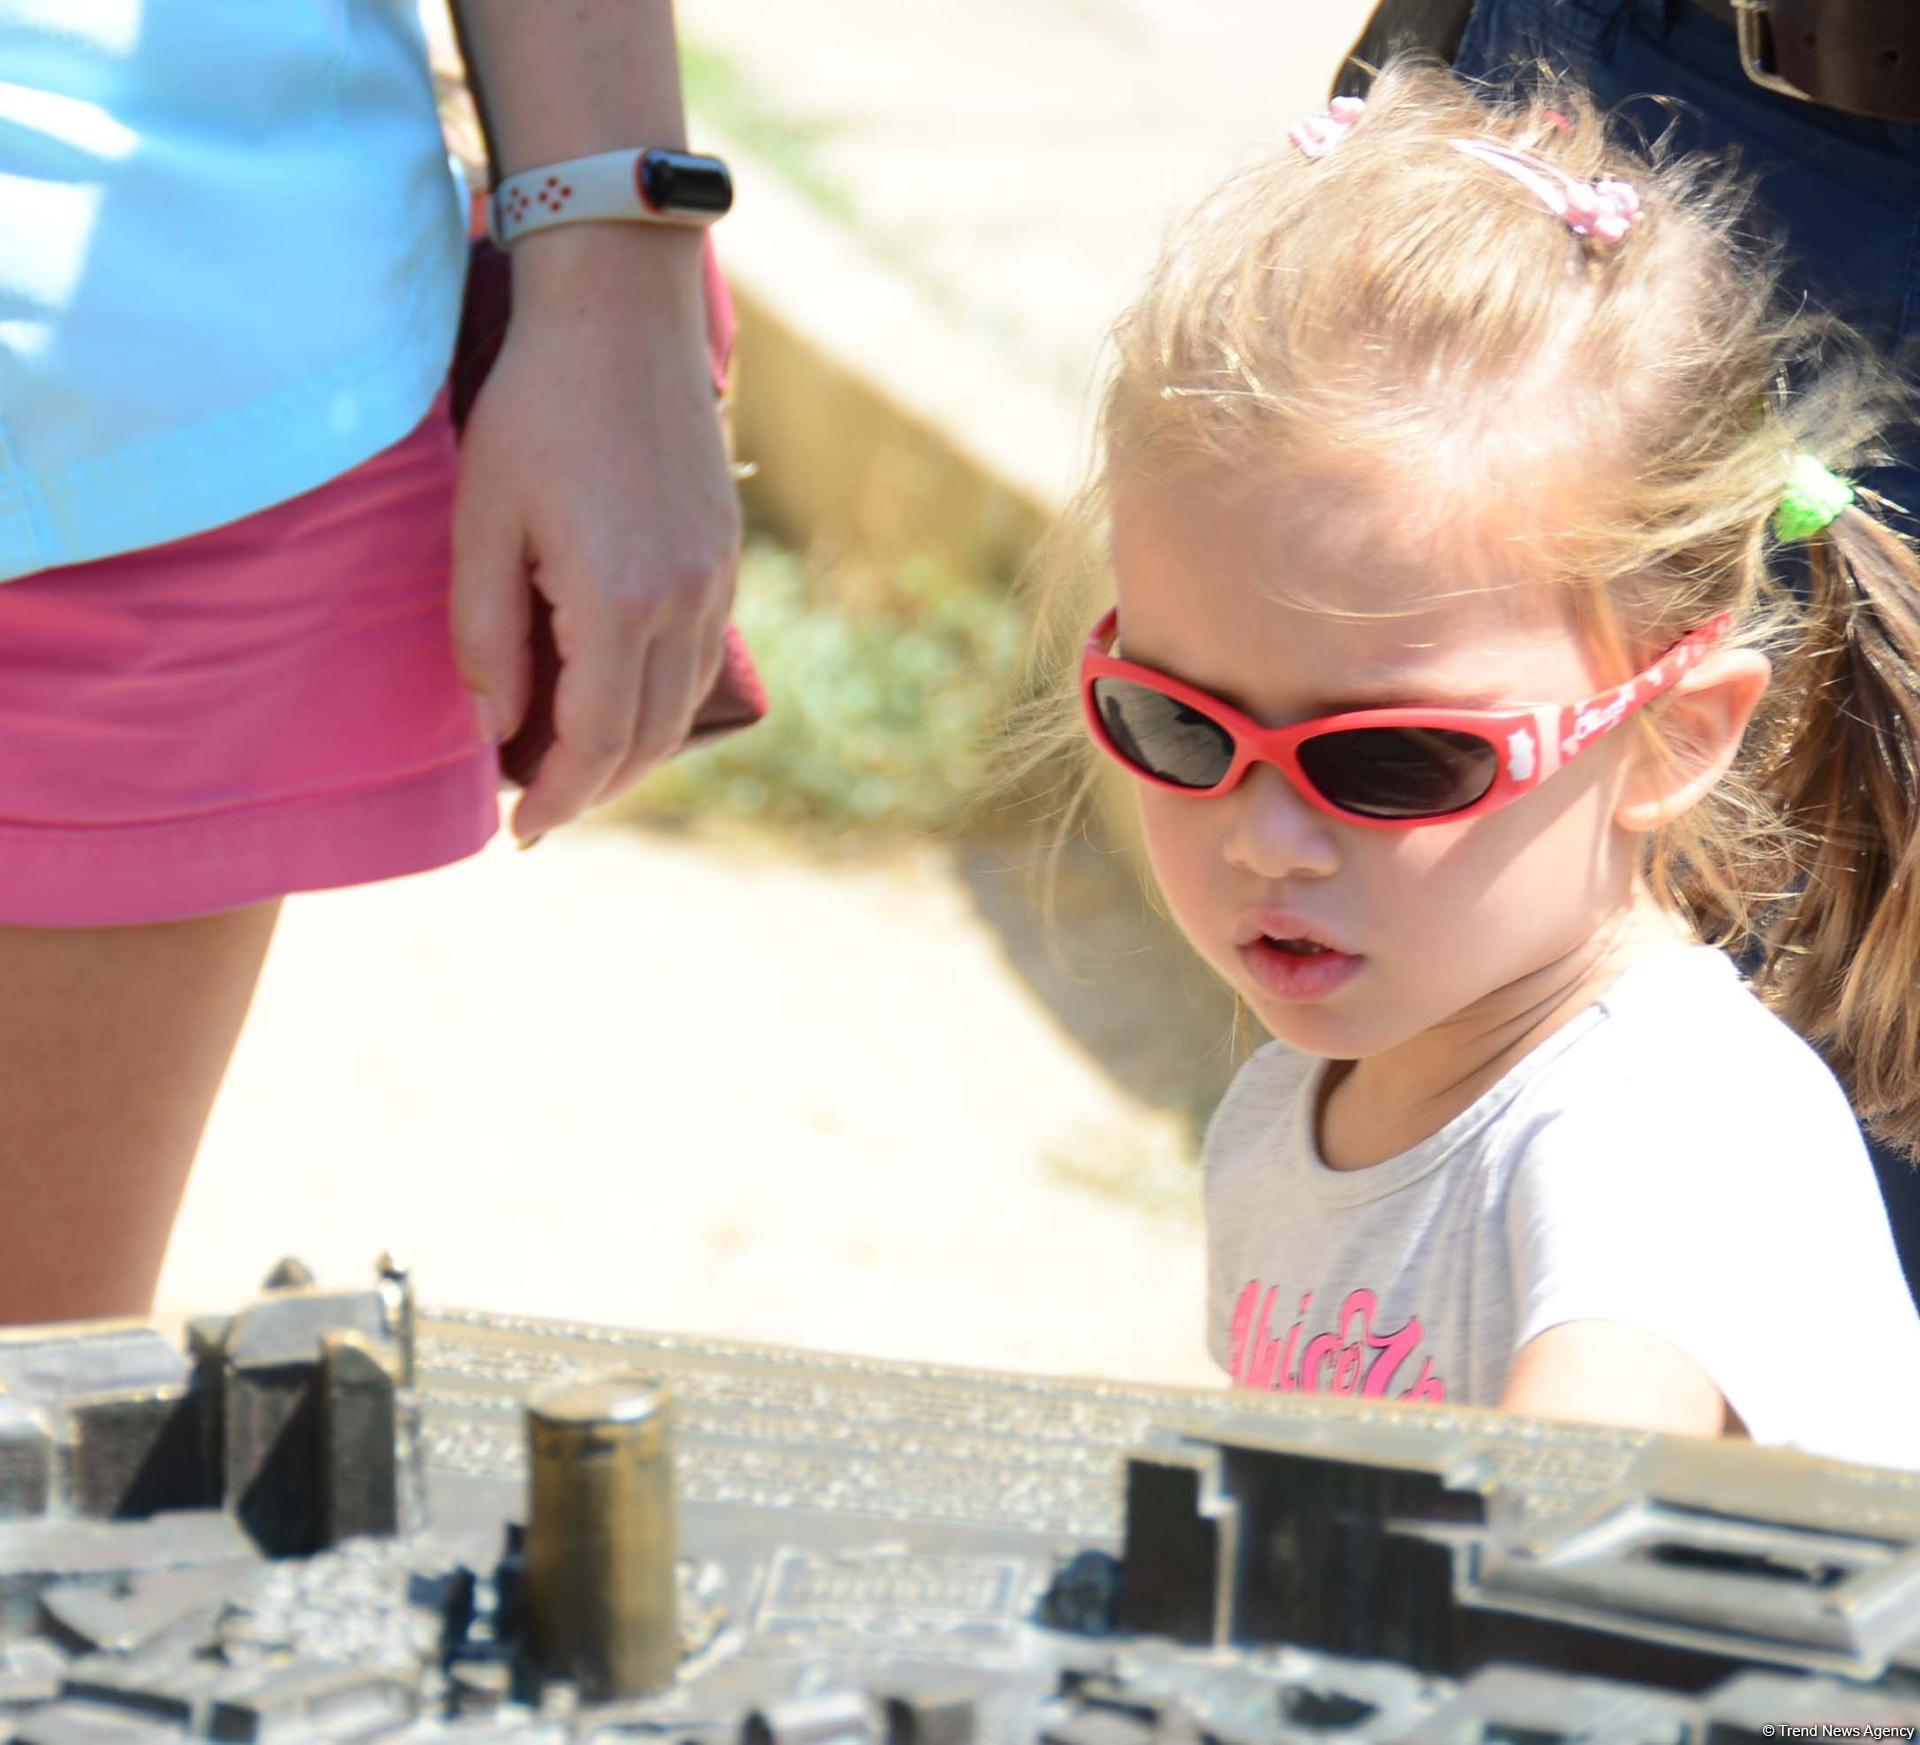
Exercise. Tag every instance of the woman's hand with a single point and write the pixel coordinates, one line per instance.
(592, 468)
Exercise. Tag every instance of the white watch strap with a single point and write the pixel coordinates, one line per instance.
(606, 185)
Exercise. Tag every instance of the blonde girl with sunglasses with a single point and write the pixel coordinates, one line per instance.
(1480, 731)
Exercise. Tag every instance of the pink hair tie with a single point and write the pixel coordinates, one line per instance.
(1605, 210)
(1319, 134)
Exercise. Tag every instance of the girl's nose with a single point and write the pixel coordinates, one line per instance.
(1274, 833)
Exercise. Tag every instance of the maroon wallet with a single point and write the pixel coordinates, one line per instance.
(738, 699)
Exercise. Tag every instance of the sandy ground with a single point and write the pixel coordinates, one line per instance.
(657, 1083)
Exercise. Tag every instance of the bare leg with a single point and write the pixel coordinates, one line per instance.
(113, 1043)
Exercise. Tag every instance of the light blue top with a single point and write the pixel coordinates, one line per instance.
(231, 255)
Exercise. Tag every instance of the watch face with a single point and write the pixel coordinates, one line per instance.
(678, 181)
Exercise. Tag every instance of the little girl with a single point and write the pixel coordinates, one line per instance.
(1440, 468)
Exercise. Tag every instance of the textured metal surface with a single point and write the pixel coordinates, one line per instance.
(876, 1551)
(1037, 1454)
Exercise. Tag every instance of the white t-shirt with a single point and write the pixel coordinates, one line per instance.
(231, 258)
(1675, 1158)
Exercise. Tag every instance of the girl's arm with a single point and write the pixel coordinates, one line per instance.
(1605, 1372)
(592, 464)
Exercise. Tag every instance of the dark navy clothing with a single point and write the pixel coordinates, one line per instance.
(1845, 191)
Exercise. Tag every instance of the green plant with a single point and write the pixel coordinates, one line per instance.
(884, 694)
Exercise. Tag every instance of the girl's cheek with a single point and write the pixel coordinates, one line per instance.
(1177, 829)
(1171, 848)
(1429, 859)
(1188, 856)
(1449, 880)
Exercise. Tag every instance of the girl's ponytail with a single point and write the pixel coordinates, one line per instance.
(1842, 959)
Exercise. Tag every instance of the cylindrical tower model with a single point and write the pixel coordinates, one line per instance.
(602, 1537)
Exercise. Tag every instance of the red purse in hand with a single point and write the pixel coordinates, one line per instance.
(738, 699)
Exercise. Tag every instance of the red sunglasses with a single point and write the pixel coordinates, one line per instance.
(1390, 768)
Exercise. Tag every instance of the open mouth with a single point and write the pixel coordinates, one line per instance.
(1293, 967)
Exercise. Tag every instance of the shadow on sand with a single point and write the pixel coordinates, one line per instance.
(1116, 976)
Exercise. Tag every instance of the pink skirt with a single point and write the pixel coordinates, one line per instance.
(272, 706)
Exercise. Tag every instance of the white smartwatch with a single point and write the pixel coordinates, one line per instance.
(642, 187)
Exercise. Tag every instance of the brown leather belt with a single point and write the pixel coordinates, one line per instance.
(1861, 56)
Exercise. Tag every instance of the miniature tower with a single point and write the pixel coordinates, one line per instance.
(602, 1538)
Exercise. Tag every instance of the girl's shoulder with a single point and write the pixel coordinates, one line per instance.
(1691, 1167)
(1685, 1092)
(1682, 1037)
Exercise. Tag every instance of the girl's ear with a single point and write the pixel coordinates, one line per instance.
(1699, 729)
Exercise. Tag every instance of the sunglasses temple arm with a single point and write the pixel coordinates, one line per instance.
(1580, 724)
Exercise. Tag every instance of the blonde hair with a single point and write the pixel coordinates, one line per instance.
(1397, 309)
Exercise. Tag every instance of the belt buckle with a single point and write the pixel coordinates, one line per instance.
(1752, 33)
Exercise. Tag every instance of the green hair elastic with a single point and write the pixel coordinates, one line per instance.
(1813, 498)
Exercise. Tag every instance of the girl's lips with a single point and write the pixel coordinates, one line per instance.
(1304, 976)
(1255, 925)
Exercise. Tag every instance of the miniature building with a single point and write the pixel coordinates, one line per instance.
(1402, 1542)
(288, 1414)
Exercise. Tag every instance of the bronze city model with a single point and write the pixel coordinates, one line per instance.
(334, 1516)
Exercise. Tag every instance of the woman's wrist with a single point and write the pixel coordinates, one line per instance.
(579, 270)
(556, 82)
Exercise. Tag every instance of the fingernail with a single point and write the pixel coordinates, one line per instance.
(532, 841)
(487, 720)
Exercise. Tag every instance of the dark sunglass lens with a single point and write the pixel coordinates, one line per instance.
(1401, 772)
(1161, 736)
